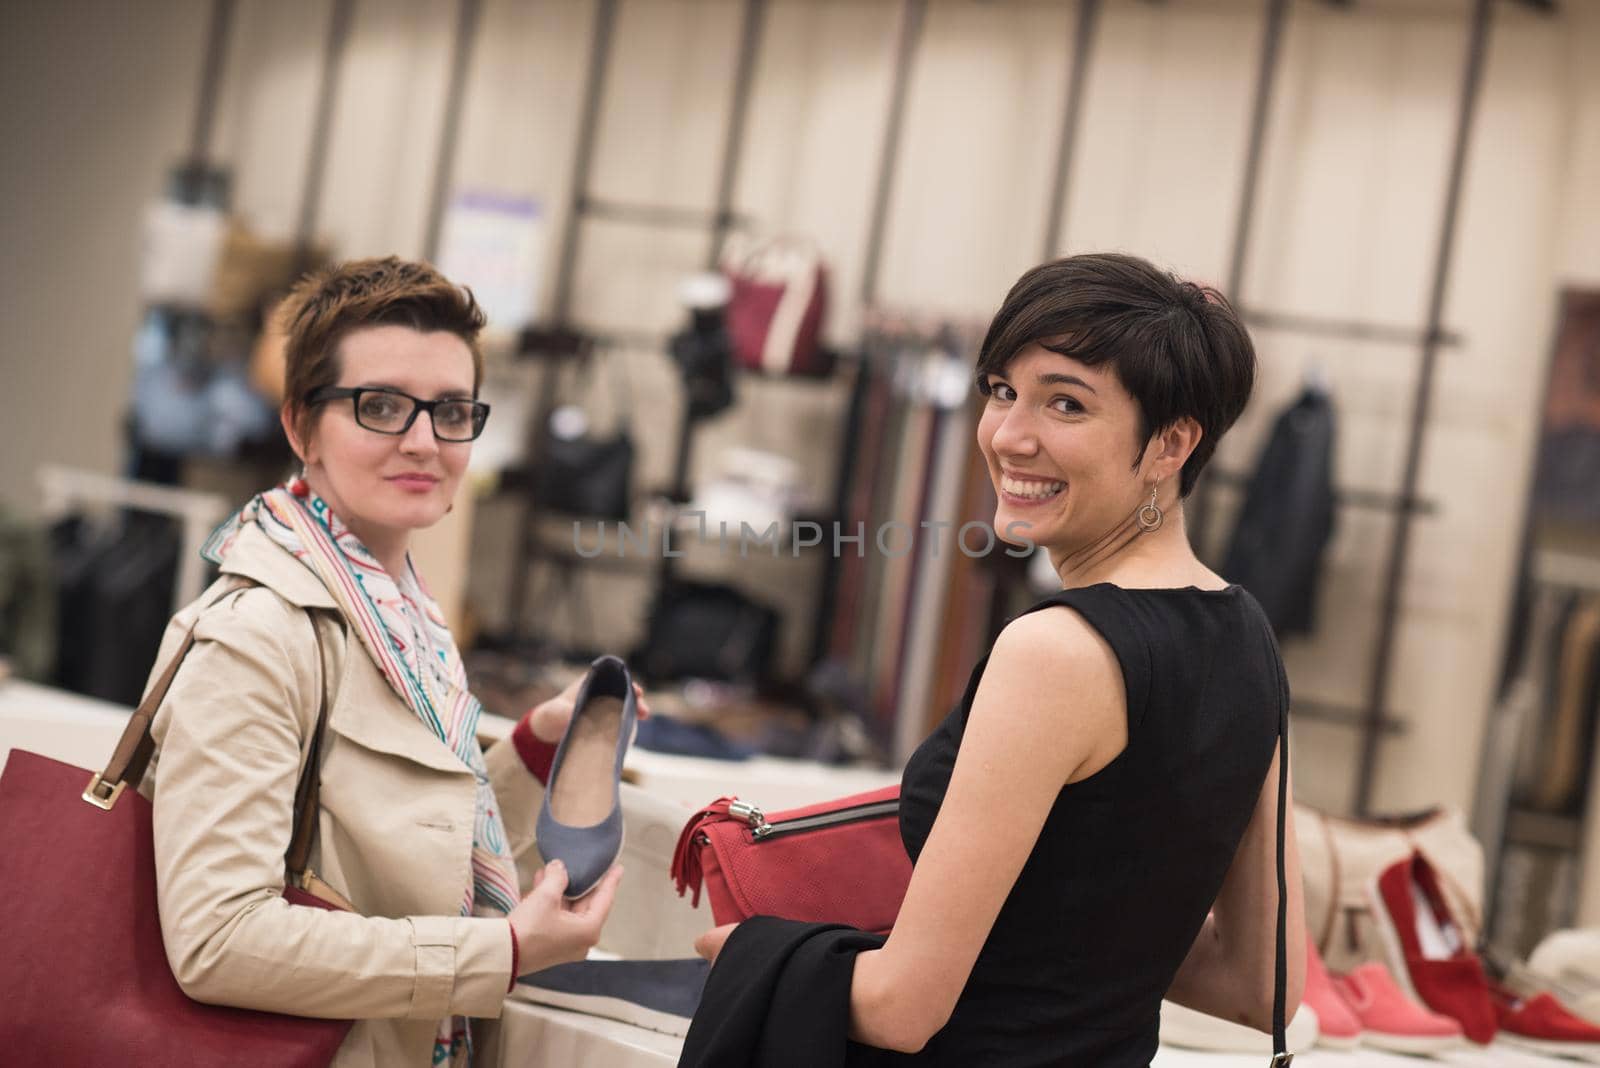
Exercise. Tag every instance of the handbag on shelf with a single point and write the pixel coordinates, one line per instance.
(708, 630)
(775, 312)
(87, 979)
(839, 861)
(582, 473)
(1339, 857)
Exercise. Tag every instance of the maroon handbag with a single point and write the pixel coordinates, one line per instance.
(836, 862)
(86, 979)
(777, 302)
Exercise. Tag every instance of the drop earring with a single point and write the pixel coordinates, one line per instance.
(1150, 517)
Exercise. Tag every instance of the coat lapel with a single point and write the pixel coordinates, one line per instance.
(366, 710)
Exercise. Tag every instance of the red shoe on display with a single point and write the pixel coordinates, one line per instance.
(1542, 1024)
(1340, 1026)
(1389, 1019)
(1427, 952)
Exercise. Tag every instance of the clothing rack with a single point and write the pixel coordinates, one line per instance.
(719, 220)
(66, 489)
(583, 205)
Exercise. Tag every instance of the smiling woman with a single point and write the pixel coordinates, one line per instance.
(1096, 825)
(1108, 384)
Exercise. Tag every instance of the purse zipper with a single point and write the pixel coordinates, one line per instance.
(686, 870)
(761, 830)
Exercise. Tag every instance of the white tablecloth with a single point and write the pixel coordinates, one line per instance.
(536, 1036)
(83, 731)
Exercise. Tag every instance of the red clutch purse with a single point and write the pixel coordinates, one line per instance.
(838, 861)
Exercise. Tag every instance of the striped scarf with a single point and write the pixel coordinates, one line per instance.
(404, 632)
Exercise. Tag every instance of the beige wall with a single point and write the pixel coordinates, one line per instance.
(98, 102)
(1348, 216)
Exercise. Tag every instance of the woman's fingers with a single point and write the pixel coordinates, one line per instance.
(710, 944)
(551, 879)
(598, 902)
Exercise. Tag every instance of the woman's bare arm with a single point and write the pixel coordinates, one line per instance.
(1229, 969)
(1049, 708)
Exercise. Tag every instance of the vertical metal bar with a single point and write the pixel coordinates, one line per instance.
(1261, 108)
(1071, 112)
(912, 15)
(1383, 645)
(455, 96)
(605, 19)
(755, 13)
(205, 111)
(321, 125)
(1198, 508)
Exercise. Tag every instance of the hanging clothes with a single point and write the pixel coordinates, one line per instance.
(1288, 516)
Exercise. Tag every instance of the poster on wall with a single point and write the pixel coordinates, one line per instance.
(493, 243)
(1567, 489)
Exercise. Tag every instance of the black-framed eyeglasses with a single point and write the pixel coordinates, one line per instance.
(389, 411)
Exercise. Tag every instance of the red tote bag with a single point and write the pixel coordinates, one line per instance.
(85, 979)
(839, 861)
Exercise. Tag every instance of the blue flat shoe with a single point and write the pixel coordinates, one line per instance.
(580, 821)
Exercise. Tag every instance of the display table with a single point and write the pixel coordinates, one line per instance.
(537, 1036)
(58, 724)
(83, 731)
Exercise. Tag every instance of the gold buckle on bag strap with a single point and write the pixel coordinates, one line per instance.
(106, 800)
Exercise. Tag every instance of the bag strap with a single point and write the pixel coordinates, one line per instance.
(1281, 1057)
(297, 860)
(131, 757)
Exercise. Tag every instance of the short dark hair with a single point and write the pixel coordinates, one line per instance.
(1177, 347)
(327, 305)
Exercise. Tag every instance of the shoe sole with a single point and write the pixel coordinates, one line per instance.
(1338, 1042)
(1552, 1047)
(1190, 1029)
(628, 1012)
(1390, 937)
(1414, 1045)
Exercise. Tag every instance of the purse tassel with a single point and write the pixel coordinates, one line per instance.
(687, 873)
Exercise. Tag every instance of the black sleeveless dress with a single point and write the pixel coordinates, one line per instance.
(1129, 860)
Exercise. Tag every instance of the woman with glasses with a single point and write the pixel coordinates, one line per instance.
(424, 839)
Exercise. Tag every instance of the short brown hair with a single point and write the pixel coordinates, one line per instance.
(1177, 347)
(330, 303)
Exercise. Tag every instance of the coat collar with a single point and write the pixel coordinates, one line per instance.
(257, 557)
(365, 707)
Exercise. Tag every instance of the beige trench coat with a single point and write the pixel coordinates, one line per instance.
(394, 833)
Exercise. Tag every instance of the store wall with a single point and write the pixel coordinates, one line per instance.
(1346, 227)
(98, 101)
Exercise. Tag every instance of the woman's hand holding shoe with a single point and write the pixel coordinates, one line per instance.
(551, 930)
(548, 720)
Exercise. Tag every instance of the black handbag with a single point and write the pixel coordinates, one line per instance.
(588, 475)
(708, 631)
